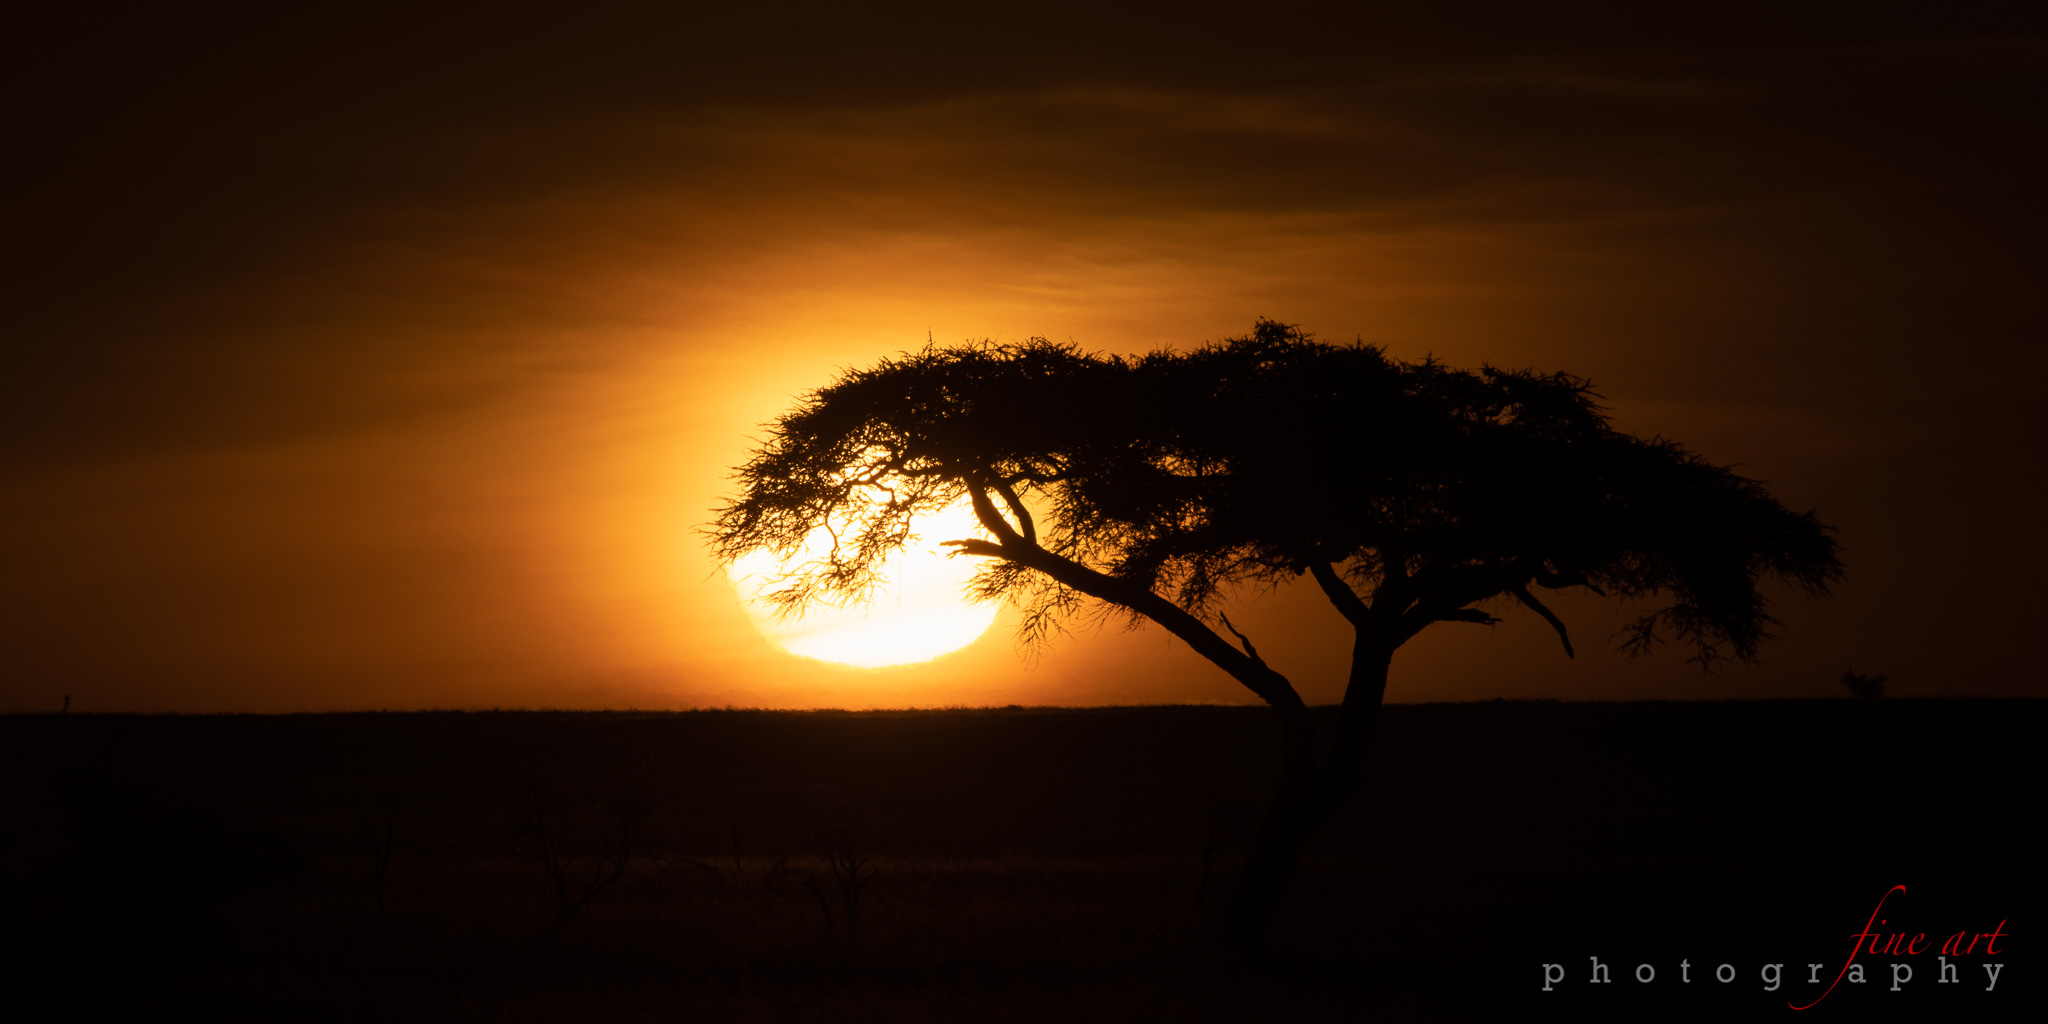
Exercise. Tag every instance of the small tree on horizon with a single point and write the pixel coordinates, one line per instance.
(1411, 493)
(1862, 686)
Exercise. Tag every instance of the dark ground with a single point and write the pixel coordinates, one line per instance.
(1020, 864)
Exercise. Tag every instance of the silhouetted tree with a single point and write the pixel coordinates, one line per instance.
(1863, 687)
(1410, 493)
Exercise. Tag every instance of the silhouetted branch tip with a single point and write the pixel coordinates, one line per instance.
(1529, 600)
(1249, 651)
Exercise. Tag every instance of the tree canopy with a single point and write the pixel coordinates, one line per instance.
(1411, 491)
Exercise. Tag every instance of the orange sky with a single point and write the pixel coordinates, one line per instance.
(385, 361)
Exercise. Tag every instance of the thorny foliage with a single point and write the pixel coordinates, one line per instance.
(1250, 461)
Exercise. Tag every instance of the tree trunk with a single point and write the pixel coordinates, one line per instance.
(1268, 871)
(1311, 792)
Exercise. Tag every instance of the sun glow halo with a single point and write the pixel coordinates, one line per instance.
(918, 614)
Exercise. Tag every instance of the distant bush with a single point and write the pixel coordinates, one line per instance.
(1863, 687)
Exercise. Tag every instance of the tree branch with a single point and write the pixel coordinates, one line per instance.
(1558, 581)
(1451, 589)
(991, 520)
(976, 546)
(1268, 685)
(1472, 615)
(1522, 594)
(1348, 603)
(1017, 509)
(1249, 651)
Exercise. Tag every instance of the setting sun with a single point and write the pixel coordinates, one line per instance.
(920, 613)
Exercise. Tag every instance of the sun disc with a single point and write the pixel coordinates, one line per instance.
(919, 613)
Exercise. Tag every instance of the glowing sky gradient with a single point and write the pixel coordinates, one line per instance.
(372, 359)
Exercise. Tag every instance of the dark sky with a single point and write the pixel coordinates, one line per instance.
(387, 358)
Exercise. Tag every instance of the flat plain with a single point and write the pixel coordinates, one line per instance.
(1010, 864)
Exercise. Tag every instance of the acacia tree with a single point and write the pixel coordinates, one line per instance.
(1410, 493)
